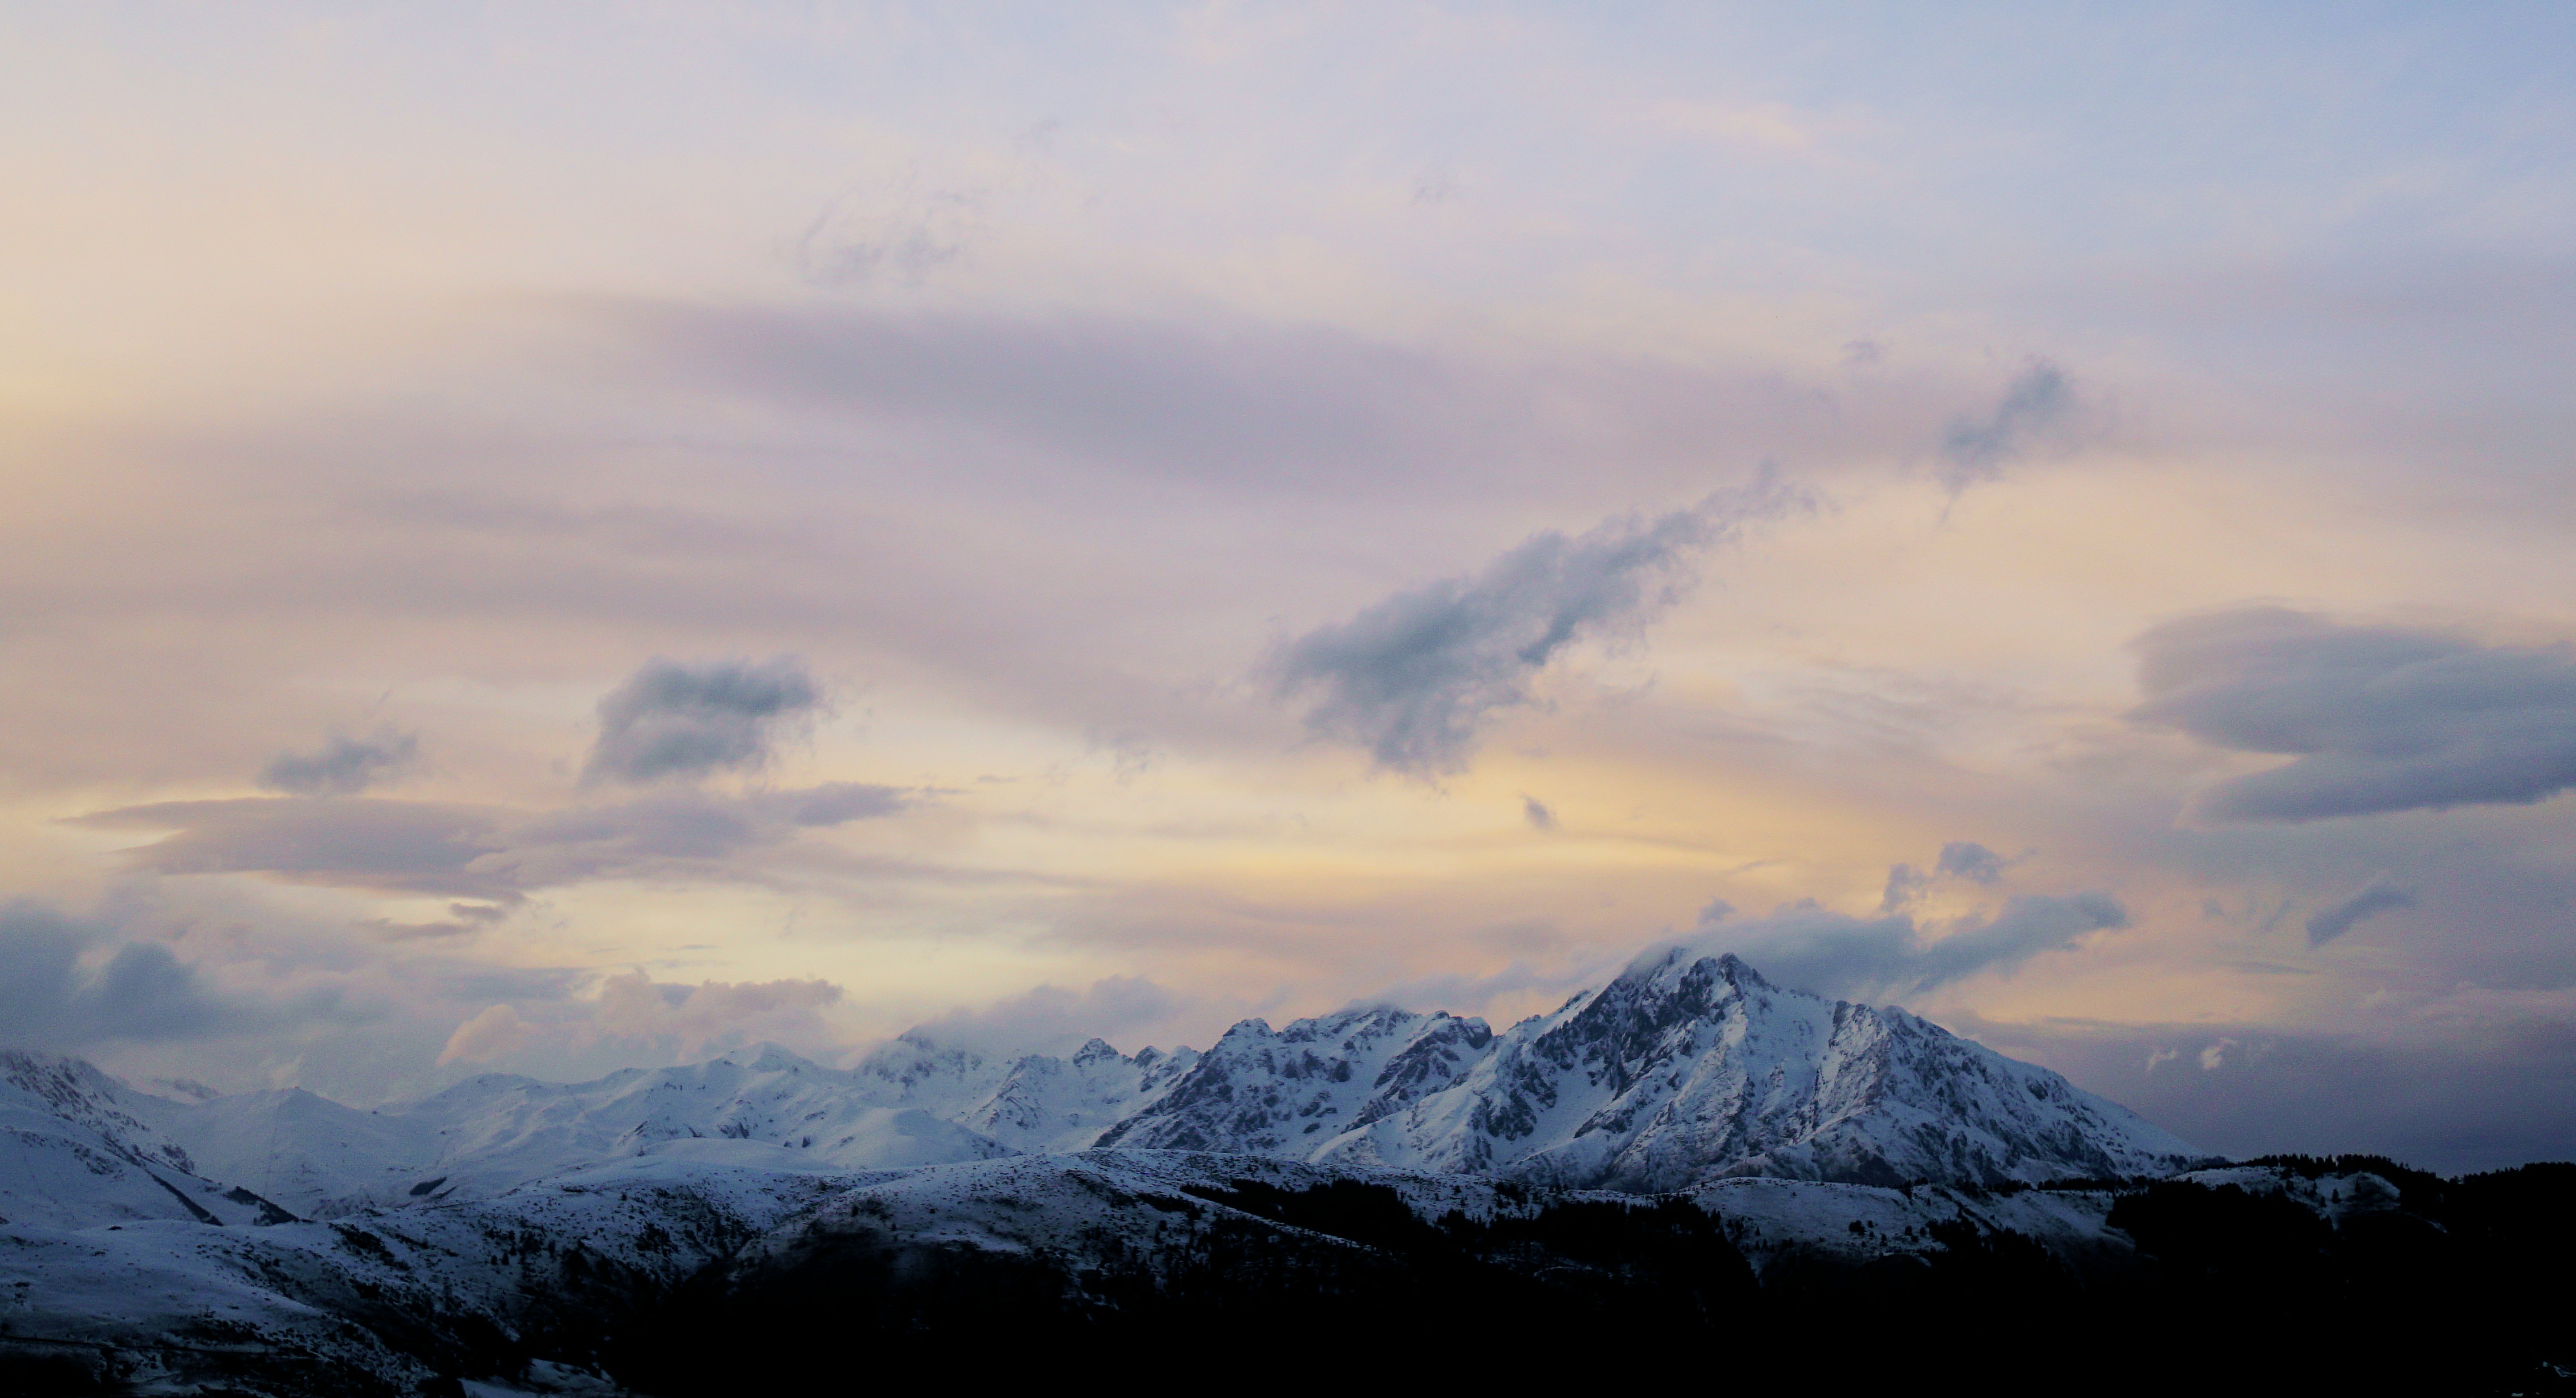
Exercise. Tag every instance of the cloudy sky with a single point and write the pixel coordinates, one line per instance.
(551, 538)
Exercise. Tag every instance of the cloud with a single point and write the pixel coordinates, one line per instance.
(344, 766)
(681, 829)
(2443, 1101)
(1904, 884)
(2037, 402)
(2370, 900)
(635, 1006)
(1416, 678)
(462, 919)
(48, 998)
(494, 1034)
(1966, 859)
(1815, 948)
(414, 847)
(1539, 817)
(672, 719)
(908, 233)
(1052, 1018)
(494, 855)
(2376, 718)
(1959, 859)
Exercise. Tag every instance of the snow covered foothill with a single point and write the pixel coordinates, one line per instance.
(2334, 1197)
(1772, 1220)
(393, 1299)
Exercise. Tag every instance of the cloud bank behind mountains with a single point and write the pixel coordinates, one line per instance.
(2376, 718)
(1418, 677)
(49, 999)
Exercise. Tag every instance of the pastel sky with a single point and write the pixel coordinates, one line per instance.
(556, 537)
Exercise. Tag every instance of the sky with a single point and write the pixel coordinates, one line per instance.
(546, 539)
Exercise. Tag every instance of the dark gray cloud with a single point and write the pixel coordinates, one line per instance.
(344, 766)
(2037, 402)
(1415, 678)
(1815, 948)
(487, 854)
(2371, 899)
(1539, 816)
(2376, 718)
(48, 999)
(673, 719)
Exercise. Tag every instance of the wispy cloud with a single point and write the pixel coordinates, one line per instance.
(1417, 678)
(493, 854)
(2371, 899)
(2036, 404)
(1815, 948)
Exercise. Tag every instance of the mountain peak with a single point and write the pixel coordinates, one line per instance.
(768, 1057)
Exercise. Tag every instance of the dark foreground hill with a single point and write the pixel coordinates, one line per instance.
(679, 1276)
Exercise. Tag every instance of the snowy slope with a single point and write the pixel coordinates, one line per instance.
(381, 1302)
(75, 1152)
(912, 1102)
(489, 1133)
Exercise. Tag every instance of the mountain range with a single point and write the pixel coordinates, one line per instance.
(1680, 1071)
(1679, 1148)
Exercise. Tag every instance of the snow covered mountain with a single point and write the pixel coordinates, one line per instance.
(912, 1102)
(750, 1222)
(1681, 1070)
(75, 1153)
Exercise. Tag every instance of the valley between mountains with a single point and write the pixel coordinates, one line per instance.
(1687, 1152)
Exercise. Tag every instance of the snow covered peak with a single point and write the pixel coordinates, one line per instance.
(766, 1057)
(1681, 1069)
